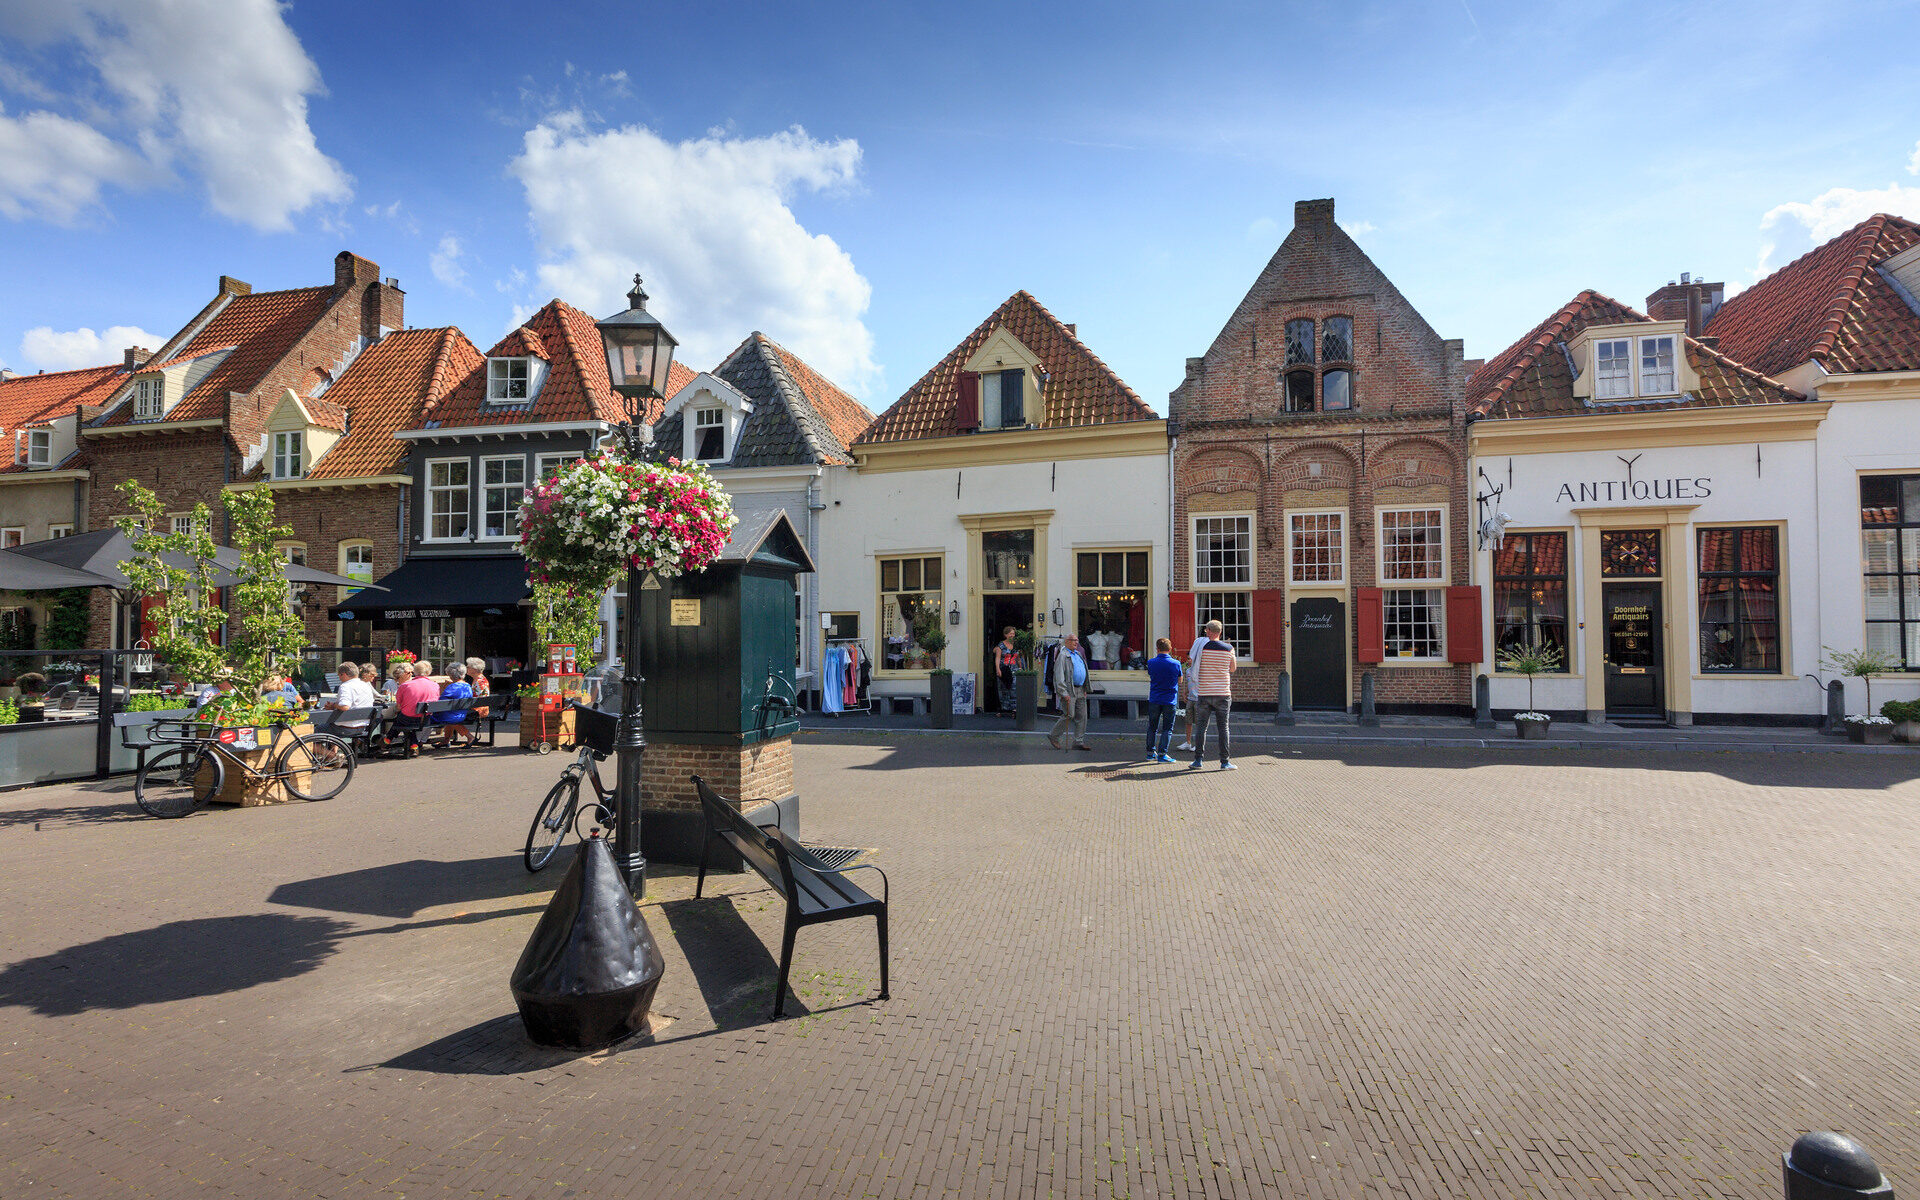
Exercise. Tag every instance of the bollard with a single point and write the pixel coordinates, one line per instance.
(1283, 706)
(1836, 721)
(1831, 1166)
(1369, 719)
(1482, 702)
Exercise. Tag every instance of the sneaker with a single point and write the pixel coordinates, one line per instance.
(1184, 746)
(1165, 758)
(1227, 766)
(1194, 765)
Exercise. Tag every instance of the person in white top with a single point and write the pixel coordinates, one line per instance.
(354, 693)
(1186, 685)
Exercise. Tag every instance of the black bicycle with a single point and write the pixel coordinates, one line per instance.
(593, 733)
(173, 783)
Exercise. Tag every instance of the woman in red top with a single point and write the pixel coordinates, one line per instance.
(1005, 659)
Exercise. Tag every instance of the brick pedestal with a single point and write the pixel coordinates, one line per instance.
(674, 827)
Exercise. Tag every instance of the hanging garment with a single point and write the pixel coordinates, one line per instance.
(866, 674)
(851, 696)
(835, 669)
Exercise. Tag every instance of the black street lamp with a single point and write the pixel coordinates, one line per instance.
(639, 356)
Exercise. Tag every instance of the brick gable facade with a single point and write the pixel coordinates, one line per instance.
(1238, 449)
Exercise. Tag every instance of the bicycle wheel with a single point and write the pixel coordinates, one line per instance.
(551, 823)
(175, 782)
(316, 766)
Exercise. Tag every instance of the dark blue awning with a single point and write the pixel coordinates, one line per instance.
(440, 587)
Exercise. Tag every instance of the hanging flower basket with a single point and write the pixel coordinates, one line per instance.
(598, 516)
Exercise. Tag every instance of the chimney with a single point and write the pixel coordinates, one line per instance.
(6, 374)
(349, 268)
(229, 286)
(1073, 329)
(1690, 299)
(1313, 214)
(137, 356)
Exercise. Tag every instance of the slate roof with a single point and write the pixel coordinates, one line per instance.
(261, 327)
(36, 399)
(1082, 390)
(385, 389)
(799, 416)
(577, 387)
(1534, 376)
(1829, 306)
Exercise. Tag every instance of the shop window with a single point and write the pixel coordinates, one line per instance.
(1336, 391)
(1300, 343)
(1629, 553)
(1656, 366)
(1222, 570)
(1299, 386)
(503, 484)
(1234, 611)
(1530, 594)
(1336, 340)
(1740, 599)
(449, 498)
(1110, 607)
(1613, 369)
(1413, 545)
(1411, 620)
(1890, 552)
(911, 603)
(1008, 555)
(1317, 548)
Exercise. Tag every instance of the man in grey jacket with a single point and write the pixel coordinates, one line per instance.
(1070, 689)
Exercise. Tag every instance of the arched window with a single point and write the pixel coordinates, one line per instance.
(1299, 391)
(1336, 390)
(1300, 343)
(1336, 340)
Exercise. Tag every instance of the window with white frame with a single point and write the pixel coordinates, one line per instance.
(504, 484)
(449, 498)
(1317, 548)
(293, 554)
(912, 592)
(39, 447)
(1656, 366)
(709, 434)
(551, 464)
(1613, 369)
(1222, 574)
(59, 531)
(13, 535)
(181, 522)
(287, 462)
(509, 380)
(1003, 397)
(356, 563)
(148, 397)
(1413, 550)
(1411, 622)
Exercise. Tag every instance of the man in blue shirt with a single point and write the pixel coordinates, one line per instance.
(1070, 689)
(1163, 692)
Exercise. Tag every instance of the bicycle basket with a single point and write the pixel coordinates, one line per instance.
(595, 729)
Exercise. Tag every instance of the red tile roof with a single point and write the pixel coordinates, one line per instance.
(36, 399)
(1829, 306)
(1082, 390)
(261, 327)
(845, 418)
(577, 387)
(1534, 378)
(385, 389)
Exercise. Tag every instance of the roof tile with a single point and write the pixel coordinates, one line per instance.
(36, 399)
(385, 389)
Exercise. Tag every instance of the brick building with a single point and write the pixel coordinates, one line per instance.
(1320, 500)
(193, 418)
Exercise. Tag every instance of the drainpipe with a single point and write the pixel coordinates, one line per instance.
(811, 616)
(1173, 523)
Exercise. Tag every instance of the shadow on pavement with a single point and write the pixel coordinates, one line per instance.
(731, 964)
(405, 888)
(496, 1046)
(74, 814)
(182, 960)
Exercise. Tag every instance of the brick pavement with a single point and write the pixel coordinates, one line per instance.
(1353, 972)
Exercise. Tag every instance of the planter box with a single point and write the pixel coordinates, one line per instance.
(1026, 702)
(1864, 734)
(248, 791)
(940, 701)
(1532, 730)
(1906, 731)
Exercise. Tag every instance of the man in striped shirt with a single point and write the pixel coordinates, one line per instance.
(1213, 669)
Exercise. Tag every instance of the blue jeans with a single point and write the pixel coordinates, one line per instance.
(1159, 728)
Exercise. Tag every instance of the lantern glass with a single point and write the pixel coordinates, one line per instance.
(639, 348)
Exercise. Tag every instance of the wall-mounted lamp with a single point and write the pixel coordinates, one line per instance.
(1059, 613)
(953, 614)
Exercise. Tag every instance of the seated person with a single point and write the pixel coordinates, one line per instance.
(412, 691)
(280, 690)
(354, 693)
(222, 685)
(457, 689)
(477, 680)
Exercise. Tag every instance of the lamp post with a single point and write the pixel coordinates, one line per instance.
(639, 355)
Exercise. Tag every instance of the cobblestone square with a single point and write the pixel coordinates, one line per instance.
(1365, 971)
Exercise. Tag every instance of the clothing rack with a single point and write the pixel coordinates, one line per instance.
(862, 675)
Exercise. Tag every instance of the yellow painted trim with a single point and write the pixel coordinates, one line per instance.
(1722, 426)
(1878, 385)
(41, 476)
(1040, 520)
(1122, 439)
(282, 485)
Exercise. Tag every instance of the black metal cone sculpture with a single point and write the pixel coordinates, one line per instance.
(588, 974)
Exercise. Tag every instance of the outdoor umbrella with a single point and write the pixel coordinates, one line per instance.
(301, 573)
(23, 573)
(102, 551)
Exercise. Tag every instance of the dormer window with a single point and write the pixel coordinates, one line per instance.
(510, 380)
(1613, 369)
(40, 447)
(1656, 366)
(1003, 400)
(709, 434)
(1643, 367)
(148, 397)
(287, 456)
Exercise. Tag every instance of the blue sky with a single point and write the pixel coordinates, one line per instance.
(865, 183)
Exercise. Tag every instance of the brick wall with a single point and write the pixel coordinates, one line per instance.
(1403, 441)
(759, 772)
(323, 519)
(182, 469)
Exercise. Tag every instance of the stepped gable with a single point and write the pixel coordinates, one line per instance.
(385, 389)
(1829, 306)
(1082, 389)
(1534, 376)
(31, 400)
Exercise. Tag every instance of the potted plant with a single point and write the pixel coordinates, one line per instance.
(9, 713)
(1530, 659)
(1905, 715)
(1869, 728)
(32, 686)
(1026, 682)
(940, 697)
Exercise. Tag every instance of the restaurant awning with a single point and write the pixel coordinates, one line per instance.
(440, 587)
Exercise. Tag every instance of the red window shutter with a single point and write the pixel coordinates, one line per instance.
(147, 625)
(1270, 626)
(966, 412)
(1463, 624)
(1370, 622)
(1183, 622)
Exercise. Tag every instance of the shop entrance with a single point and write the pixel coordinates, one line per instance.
(1636, 682)
(1319, 630)
(997, 612)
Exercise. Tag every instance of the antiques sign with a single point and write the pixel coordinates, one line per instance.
(1596, 491)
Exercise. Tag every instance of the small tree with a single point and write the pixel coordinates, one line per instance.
(570, 616)
(1530, 659)
(270, 637)
(186, 625)
(1860, 664)
(1025, 642)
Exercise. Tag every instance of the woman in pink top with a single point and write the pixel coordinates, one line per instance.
(414, 690)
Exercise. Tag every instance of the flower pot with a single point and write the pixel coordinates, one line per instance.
(1869, 734)
(33, 712)
(1026, 701)
(940, 701)
(1531, 730)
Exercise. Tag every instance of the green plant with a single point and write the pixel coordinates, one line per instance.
(1025, 642)
(33, 683)
(569, 616)
(1859, 664)
(941, 671)
(67, 618)
(1530, 659)
(269, 633)
(1901, 710)
(148, 702)
(9, 713)
(186, 624)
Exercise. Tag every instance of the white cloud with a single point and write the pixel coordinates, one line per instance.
(49, 349)
(1792, 229)
(55, 167)
(1263, 230)
(1357, 229)
(706, 221)
(1913, 164)
(445, 263)
(218, 86)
